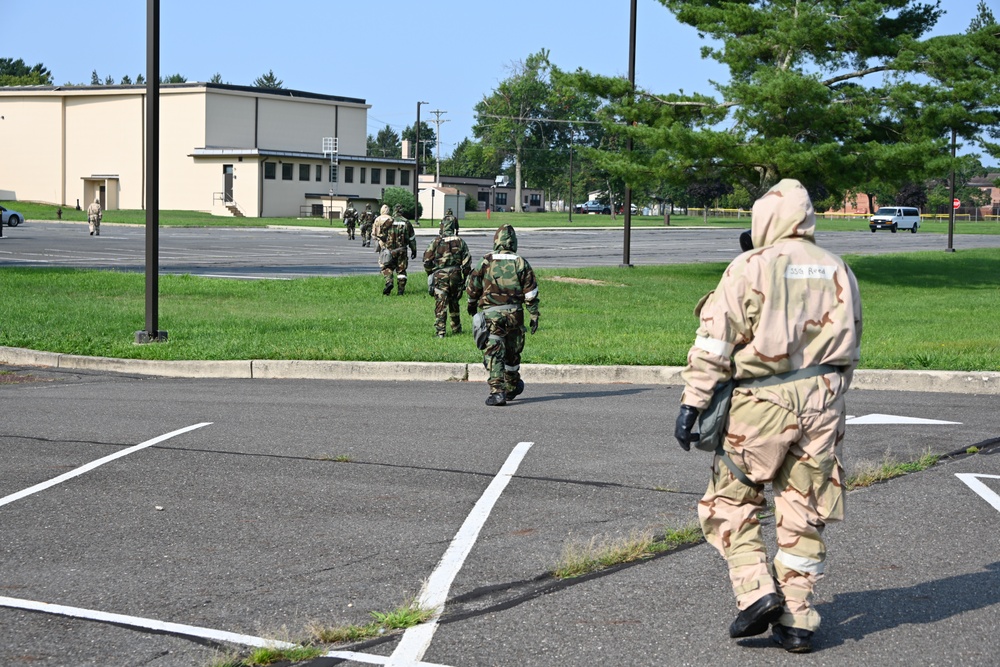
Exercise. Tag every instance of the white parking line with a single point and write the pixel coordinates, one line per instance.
(416, 640)
(986, 493)
(95, 464)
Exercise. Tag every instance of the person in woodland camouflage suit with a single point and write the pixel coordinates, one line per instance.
(395, 236)
(350, 220)
(500, 284)
(785, 324)
(367, 219)
(447, 259)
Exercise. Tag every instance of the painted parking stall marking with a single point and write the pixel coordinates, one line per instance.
(96, 464)
(972, 480)
(894, 419)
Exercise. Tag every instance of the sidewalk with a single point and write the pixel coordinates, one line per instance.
(952, 382)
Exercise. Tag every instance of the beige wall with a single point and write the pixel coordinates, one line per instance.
(54, 141)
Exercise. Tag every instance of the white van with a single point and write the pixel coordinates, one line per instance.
(895, 217)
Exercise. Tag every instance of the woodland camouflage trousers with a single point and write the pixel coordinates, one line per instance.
(788, 435)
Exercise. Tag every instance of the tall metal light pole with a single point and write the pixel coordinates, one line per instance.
(951, 215)
(627, 241)
(152, 333)
(416, 175)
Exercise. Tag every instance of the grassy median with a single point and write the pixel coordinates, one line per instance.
(930, 310)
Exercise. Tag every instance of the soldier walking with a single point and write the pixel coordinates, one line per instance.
(785, 324)
(350, 220)
(367, 219)
(94, 215)
(447, 262)
(395, 237)
(383, 219)
(500, 284)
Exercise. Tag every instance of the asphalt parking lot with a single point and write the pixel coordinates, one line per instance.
(270, 505)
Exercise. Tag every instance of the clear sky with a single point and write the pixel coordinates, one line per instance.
(369, 49)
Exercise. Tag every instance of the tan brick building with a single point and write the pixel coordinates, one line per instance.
(223, 148)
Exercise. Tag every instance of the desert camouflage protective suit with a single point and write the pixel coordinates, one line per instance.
(499, 284)
(785, 305)
(367, 220)
(448, 259)
(395, 237)
(94, 215)
(350, 220)
(384, 218)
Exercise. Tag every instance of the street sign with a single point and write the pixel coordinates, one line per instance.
(955, 203)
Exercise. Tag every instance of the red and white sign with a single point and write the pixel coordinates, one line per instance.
(955, 203)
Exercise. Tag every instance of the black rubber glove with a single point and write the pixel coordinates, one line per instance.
(686, 420)
(413, 254)
(471, 308)
(533, 326)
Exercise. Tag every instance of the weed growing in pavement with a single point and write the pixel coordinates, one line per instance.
(972, 450)
(405, 616)
(888, 469)
(261, 657)
(579, 558)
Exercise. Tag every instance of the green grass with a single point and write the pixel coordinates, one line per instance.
(404, 616)
(929, 310)
(580, 558)
(472, 220)
(869, 474)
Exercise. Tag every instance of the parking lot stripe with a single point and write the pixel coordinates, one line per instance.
(434, 594)
(95, 464)
(986, 493)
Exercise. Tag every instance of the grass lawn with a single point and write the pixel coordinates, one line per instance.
(922, 311)
(473, 220)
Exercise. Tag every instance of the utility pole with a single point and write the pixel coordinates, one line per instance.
(626, 255)
(416, 170)
(437, 121)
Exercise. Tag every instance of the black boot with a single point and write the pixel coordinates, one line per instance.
(400, 287)
(754, 619)
(387, 290)
(793, 640)
(498, 398)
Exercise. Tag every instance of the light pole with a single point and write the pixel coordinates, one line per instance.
(627, 241)
(416, 175)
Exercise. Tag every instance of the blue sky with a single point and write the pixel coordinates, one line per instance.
(365, 49)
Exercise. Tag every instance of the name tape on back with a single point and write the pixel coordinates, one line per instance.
(806, 271)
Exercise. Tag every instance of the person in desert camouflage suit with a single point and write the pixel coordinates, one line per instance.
(367, 219)
(448, 260)
(499, 284)
(785, 324)
(395, 235)
(350, 220)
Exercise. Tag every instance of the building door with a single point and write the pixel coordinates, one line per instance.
(104, 197)
(227, 184)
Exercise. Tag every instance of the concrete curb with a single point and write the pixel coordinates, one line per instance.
(952, 382)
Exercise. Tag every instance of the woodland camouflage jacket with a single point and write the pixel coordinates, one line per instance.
(502, 277)
(448, 250)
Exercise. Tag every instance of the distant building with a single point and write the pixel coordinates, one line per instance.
(231, 150)
(488, 194)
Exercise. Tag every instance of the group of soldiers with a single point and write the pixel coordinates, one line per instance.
(499, 287)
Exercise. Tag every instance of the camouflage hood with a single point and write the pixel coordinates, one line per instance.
(505, 240)
(784, 212)
(384, 210)
(449, 226)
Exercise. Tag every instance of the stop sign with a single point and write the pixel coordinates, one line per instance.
(955, 203)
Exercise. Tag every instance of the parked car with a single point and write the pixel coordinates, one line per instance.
(895, 217)
(594, 206)
(635, 210)
(9, 217)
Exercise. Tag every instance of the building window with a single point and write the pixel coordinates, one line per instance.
(536, 200)
(390, 176)
(270, 170)
(500, 199)
(364, 170)
(333, 173)
(348, 174)
(319, 172)
(286, 171)
(305, 170)
(376, 175)
(404, 177)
